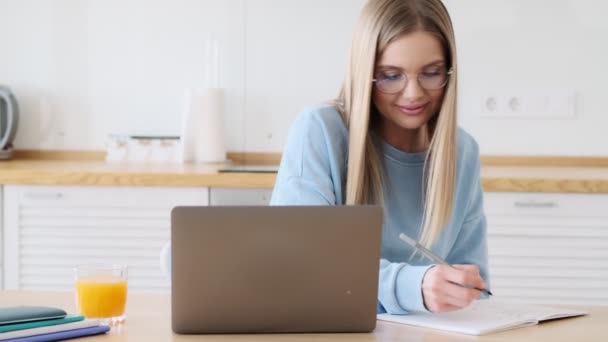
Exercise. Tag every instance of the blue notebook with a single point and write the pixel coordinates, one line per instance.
(37, 324)
(22, 314)
(63, 335)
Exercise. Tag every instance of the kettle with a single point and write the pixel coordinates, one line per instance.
(9, 119)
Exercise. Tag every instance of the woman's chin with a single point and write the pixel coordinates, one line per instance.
(413, 122)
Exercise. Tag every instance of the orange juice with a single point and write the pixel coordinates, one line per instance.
(101, 296)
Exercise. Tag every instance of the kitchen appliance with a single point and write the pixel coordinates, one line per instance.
(9, 119)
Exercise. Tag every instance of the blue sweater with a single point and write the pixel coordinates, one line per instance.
(313, 172)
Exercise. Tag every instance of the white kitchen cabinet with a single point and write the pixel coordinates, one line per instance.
(50, 229)
(239, 196)
(548, 247)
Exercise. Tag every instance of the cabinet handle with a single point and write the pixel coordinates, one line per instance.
(519, 204)
(56, 195)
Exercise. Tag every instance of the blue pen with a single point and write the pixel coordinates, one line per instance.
(426, 252)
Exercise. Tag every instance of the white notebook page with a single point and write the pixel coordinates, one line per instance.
(483, 317)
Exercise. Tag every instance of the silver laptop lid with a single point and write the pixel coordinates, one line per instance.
(275, 269)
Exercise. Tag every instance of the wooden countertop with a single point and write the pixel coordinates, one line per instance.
(545, 179)
(149, 319)
(97, 172)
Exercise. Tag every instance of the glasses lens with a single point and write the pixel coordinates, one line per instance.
(433, 80)
(390, 83)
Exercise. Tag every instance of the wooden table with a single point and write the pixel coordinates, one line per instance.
(149, 319)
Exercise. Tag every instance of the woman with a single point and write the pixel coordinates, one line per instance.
(391, 139)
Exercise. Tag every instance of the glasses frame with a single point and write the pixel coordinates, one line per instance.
(407, 80)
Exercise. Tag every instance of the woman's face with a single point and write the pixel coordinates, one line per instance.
(410, 77)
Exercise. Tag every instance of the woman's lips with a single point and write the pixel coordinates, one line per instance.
(413, 110)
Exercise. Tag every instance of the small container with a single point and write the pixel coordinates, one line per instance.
(164, 149)
(117, 149)
(137, 148)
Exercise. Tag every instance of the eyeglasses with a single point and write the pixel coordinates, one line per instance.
(393, 82)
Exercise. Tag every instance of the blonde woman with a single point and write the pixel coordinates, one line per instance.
(391, 139)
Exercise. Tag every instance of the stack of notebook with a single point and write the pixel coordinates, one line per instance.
(40, 323)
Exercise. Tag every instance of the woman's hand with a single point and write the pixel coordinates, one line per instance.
(451, 287)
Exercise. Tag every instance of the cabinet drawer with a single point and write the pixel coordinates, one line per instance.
(80, 196)
(546, 204)
(231, 196)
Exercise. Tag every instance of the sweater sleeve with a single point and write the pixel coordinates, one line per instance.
(309, 173)
(400, 288)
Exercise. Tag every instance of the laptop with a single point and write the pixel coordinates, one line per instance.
(275, 269)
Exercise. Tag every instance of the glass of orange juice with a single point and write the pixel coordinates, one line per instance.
(101, 292)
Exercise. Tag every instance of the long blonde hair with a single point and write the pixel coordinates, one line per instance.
(380, 23)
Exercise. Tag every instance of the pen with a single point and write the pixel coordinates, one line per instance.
(426, 252)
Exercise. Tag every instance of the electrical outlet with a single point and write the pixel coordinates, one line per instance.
(489, 105)
(514, 104)
(532, 104)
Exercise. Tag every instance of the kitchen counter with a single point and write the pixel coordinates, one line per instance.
(545, 179)
(97, 172)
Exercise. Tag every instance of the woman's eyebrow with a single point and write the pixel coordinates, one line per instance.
(394, 67)
(389, 67)
(435, 63)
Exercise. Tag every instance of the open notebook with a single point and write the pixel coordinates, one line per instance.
(484, 317)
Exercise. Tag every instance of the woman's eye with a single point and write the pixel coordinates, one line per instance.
(391, 77)
(429, 74)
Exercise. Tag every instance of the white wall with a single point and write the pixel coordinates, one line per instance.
(296, 53)
(506, 46)
(83, 69)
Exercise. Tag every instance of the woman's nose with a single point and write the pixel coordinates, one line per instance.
(412, 90)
